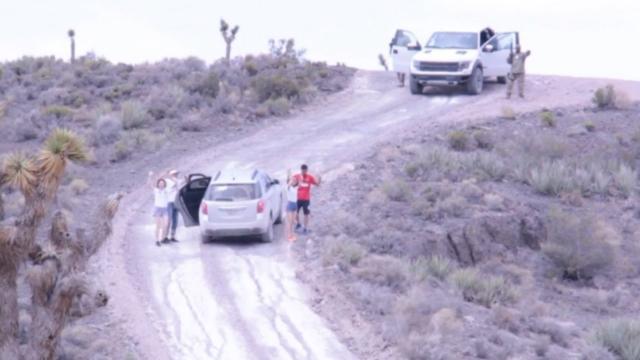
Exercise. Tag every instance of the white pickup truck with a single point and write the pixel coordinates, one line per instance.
(453, 58)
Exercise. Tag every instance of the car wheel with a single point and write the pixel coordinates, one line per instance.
(268, 236)
(415, 86)
(476, 80)
(502, 79)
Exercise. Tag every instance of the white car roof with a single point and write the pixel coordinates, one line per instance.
(240, 176)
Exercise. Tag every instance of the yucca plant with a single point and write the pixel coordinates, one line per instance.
(19, 171)
(61, 147)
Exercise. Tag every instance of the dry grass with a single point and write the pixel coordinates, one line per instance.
(396, 190)
(383, 270)
(622, 337)
(344, 252)
(548, 119)
(459, 140)
(483, 289)
(438, 267)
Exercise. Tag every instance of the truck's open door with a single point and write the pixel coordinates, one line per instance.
(402, 48)
(496, 52)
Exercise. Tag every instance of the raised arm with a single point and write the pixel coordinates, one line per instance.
(150, 180)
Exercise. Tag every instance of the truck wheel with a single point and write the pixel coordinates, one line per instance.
(502, 79)
(268, 236)
(415, 86)
(475, 82)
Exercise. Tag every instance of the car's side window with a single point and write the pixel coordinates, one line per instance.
(493, 42)
(504, 41)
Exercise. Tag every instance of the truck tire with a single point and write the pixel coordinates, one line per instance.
(415, 86)
(268, 236)
(502, 79)
(475, 82)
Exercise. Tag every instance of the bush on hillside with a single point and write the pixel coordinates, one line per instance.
(579, 247)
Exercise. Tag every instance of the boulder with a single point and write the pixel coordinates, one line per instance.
(494, 236)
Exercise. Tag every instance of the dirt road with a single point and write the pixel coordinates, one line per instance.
(240, 300)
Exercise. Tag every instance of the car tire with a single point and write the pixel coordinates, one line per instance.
(475, 82)
(502, 79)
(269, 235)
(415, 86)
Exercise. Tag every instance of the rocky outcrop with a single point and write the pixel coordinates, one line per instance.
(494, 236)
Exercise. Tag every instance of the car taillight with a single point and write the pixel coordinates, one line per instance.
(260, 208)
(204, 208)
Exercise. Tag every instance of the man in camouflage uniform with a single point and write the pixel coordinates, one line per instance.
(517, 60)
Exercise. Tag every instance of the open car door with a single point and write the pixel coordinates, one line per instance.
(496, 52)
(190, 196)
(402, 48)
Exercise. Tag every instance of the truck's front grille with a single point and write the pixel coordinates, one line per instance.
(438, 66)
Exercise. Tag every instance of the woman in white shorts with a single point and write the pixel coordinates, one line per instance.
(160, 204)
(292, 206)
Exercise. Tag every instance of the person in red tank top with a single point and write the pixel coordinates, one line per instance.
(305, 181)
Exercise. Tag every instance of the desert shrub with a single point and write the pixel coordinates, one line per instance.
(547, 327)
(580, 247)
(108, 129)
(412, 169)
(396, 190)
(590, 126)
(483, 289)
(344, 252)
(135, 140)
(192, 122)
(458, 140)
(548, 118)
(383, 240)
(278, 107)
(274, 86)
(383, 270)
(133, 115)
(166, 101)
(541, 346)
(438, 267)
(208, 85)
(79, 186)
(508, 113)
(57, 111)
(489, 166)
(622, 337)
(626, 179)
(604, 97)
(483, 139)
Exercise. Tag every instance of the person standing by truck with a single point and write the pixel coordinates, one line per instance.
(517, 61)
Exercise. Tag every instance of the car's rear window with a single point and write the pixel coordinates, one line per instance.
(232, 192)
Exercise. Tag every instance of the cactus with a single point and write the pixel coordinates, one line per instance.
(72, 35)
(229, 36)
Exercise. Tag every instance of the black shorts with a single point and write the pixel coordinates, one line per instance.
(304, 205)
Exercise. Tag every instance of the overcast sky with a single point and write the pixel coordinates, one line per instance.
(593, 38)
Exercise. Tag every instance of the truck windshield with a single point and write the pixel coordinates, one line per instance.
(453, 40)
(232, 192)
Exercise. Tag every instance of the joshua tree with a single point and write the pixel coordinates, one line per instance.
(54, 269)
(72, 35)
(383, 62)
(229, 36)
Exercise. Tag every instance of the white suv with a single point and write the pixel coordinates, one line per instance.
(453, 58)
(232, 203)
